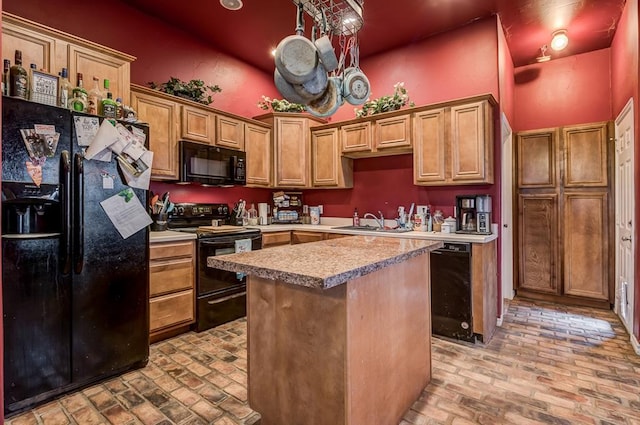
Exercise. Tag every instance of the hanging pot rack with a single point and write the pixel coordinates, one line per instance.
(344, 17)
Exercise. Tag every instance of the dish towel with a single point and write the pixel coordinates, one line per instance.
(242, 245)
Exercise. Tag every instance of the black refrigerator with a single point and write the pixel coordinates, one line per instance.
(74, 292)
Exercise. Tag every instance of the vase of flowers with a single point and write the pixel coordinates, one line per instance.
(279, 105)
(394, 102)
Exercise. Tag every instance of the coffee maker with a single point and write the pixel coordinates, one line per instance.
(474, 214)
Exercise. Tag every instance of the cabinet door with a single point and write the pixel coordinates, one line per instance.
(162, 116)
(538, 242)
(171, 310)
(292, 157)
(429, 150)
(300, 236)
(36, 47)
(329, 167)
(536, 159)
(270, 239)
(356, 137)
(585, 153)
(471, 142)
(197, 124)
(103, 64)
(257, 144)
(229, 132)
(586, 244)
(393, 133)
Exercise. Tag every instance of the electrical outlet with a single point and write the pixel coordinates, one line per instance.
(421, 209)
(321, 209)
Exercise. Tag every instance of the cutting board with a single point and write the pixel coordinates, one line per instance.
(224, 228)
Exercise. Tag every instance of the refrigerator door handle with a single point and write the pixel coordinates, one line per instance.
(65, 166)
(78, 216)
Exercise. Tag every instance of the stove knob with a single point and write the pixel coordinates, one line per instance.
(225, 210)
(180, 210)
(220, 210)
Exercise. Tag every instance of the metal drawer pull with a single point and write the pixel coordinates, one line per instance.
(230, 297)
(624, 238)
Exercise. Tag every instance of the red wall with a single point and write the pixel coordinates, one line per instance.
(1, 312)
(565, 91)
(162, 51)
(624, 85)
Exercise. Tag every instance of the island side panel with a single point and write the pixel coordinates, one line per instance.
(389, 341)
(296, 351)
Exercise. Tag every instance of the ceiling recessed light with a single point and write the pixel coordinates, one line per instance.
(559, 40)
(231, 4)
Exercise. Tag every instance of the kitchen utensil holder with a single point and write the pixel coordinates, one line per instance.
(159, 223)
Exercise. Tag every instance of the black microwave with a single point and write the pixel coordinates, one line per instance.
(211, 165)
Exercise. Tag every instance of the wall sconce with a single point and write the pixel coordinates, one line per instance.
(559, 40)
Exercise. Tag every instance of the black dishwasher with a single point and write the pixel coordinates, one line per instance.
(451, 313)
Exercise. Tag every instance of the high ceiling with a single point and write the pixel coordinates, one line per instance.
(251, 32)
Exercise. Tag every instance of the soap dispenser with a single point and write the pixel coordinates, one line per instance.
(356, 219)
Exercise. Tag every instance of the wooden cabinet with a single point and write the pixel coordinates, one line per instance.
(171, 288)
(291, 148)
(328, 167)
(453, 143)
(564, 209)
(52, 50)
(386, 134)
(162, 114)
(484, 289)
(302, 236)
(259, 150)
(197, 124)
(270, 239)
(229, 132)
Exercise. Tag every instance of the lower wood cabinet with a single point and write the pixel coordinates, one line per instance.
(484, 288)
(301, 236)
(270, 239)
(171, 288)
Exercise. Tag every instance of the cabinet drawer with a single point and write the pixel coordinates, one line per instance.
(170, 310)
(276, 238)
(171, 250)
(304, 237)
(170, 275)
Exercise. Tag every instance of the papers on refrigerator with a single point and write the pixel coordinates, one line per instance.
(126, 212)
(86, 129)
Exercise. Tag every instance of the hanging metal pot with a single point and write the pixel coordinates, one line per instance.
(296, 56)
(327, 55)
(287, 89)
(355, 86)
(327, 104)
(314, 87)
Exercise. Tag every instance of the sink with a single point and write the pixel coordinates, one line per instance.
(373, 229)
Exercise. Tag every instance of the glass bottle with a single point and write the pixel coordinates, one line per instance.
(18, 78)
(5, 77)
(119, 109)
(108, 106)
(66, 89)
(94, 98)
(356, 218)
(79, 100)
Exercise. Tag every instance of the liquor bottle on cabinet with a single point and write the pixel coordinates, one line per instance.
(66, 89)
(95, 98)
(18, 78)
(79, 101)
(109, 106)
(5, 77)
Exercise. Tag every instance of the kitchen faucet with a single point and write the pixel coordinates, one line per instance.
(380, 220)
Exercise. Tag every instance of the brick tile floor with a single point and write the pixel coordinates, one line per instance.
(548, 364)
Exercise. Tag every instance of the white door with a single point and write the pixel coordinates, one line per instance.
(624, 243)
(506, 231)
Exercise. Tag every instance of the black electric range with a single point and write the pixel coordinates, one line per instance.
(220, 295)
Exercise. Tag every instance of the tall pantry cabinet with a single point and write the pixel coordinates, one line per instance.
(564, 204)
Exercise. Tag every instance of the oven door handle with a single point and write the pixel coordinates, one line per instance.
(230, 297)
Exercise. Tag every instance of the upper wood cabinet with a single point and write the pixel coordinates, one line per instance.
(385, 134)
(453, 142)
(291, 148)
(52, 50)
(197, 124)
(585, 155)
(538, 167)
(229, 132)
(329, 168)
(259, 149)
(163, 115)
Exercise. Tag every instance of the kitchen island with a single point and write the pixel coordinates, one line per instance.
(339, 331)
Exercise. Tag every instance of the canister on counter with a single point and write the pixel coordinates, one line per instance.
(314, 212)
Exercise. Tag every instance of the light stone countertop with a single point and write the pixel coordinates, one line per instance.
(324, 264)
(170, 236)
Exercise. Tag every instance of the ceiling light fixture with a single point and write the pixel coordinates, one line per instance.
(543, 56)
(231, 4)
(559, 40)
